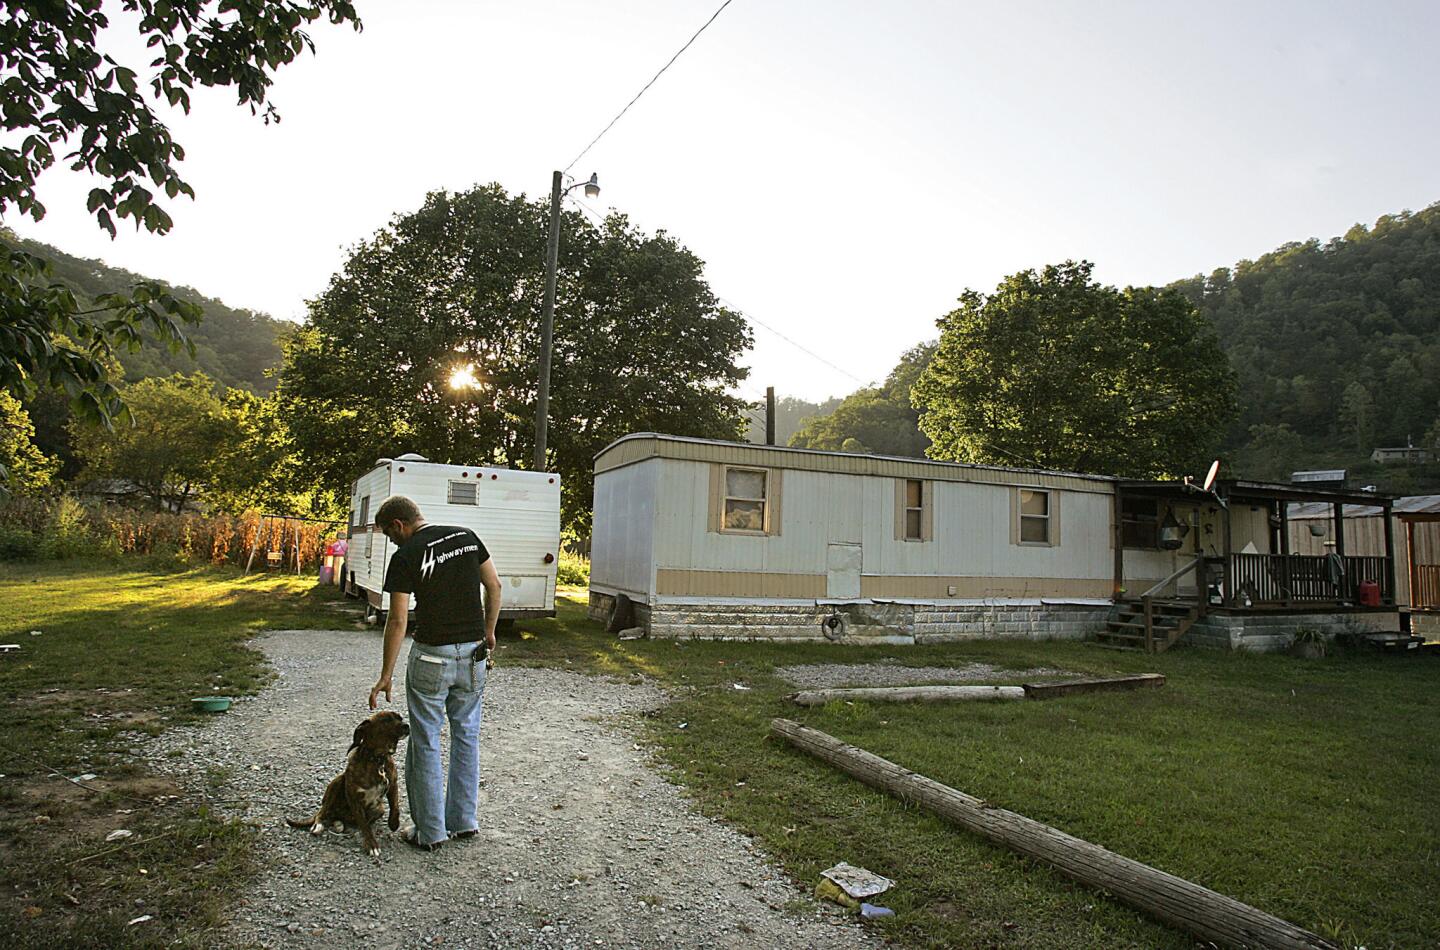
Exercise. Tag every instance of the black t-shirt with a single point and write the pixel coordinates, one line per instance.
(440, 565)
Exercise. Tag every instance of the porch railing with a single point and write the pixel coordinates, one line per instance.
(1427, 587)
(1305, 578)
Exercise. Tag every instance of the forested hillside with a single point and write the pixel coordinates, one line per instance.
(236, 347)
(1336, 344)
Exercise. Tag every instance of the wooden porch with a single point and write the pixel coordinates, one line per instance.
(1232, 564)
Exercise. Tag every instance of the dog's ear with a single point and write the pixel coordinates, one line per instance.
(361, 731)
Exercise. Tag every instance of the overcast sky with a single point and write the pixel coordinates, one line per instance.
(844, 168)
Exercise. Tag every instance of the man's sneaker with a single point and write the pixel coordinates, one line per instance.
(465, 835)
(409, 835)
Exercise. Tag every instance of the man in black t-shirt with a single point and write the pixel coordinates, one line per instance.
(446, 569)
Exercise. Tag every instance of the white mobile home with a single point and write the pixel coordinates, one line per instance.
(734, 540)
(516, 514)
(730, 540)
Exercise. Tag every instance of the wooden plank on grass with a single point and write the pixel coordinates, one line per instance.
(907, 694)
(1171, 899)
(1052, 690)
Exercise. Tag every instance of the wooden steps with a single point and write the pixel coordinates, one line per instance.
(1131, 627)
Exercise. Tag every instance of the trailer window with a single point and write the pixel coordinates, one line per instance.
(461, 493)
(1035, 516)
(914, 509)
(364, 518)
(745, 500)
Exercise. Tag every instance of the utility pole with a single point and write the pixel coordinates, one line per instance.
(769, 415)
(547, 317)
(547, 322)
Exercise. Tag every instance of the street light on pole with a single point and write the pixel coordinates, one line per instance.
(558, 190)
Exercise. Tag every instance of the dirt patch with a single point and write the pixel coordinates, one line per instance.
(947, 910)
(61, 811)
(99, 700)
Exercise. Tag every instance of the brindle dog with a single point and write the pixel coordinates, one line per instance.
(356, 796)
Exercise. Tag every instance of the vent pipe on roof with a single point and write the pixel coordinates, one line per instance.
(769, 415)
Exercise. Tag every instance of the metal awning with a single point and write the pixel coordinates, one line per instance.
(1242, 488)
(1419, 507)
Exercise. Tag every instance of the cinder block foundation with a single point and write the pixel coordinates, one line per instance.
(863, 622)
(1426, 623)
(1274, 632)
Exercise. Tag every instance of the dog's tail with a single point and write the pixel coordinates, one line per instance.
(306, 823)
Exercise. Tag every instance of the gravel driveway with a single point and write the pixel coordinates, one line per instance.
(582, 842)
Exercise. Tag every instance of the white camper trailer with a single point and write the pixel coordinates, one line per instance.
(516, 515)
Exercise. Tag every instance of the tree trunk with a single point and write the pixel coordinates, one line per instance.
(908, 694)
(1173, 900)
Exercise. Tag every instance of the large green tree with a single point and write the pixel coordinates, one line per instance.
(875, 419)
(64, 89)
(260, 467)
(640, 344)
(1055, 370)
(181, 436)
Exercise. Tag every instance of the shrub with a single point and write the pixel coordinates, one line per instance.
(17, 544)
(573, 570)
(67, 534)
(63, 527)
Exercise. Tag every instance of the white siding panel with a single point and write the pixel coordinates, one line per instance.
(623, 532)
(681, 516)
(971, 528)
(972, 535)
(816, 509)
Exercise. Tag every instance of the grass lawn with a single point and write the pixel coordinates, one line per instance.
(121, 651)
(1303, 788)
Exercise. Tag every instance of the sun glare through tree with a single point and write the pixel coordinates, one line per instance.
(464, 377)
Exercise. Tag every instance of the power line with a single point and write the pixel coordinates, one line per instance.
(748, 316)
(586, 208)
(813, 355)
(648, 85)
(592, 213)
(759, 396)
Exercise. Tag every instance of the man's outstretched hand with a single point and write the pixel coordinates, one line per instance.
(382, 685)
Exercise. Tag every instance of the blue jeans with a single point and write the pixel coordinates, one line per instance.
(441, 683)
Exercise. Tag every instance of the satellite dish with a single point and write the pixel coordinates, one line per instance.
(1210, 475)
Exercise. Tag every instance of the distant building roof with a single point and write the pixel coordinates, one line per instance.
(1318, 475)
(1415, 453)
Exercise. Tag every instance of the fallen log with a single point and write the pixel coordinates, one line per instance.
(1171, 899)
(907, 694)
(1052, 690)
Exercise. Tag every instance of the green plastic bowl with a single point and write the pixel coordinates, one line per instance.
(211, 703)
